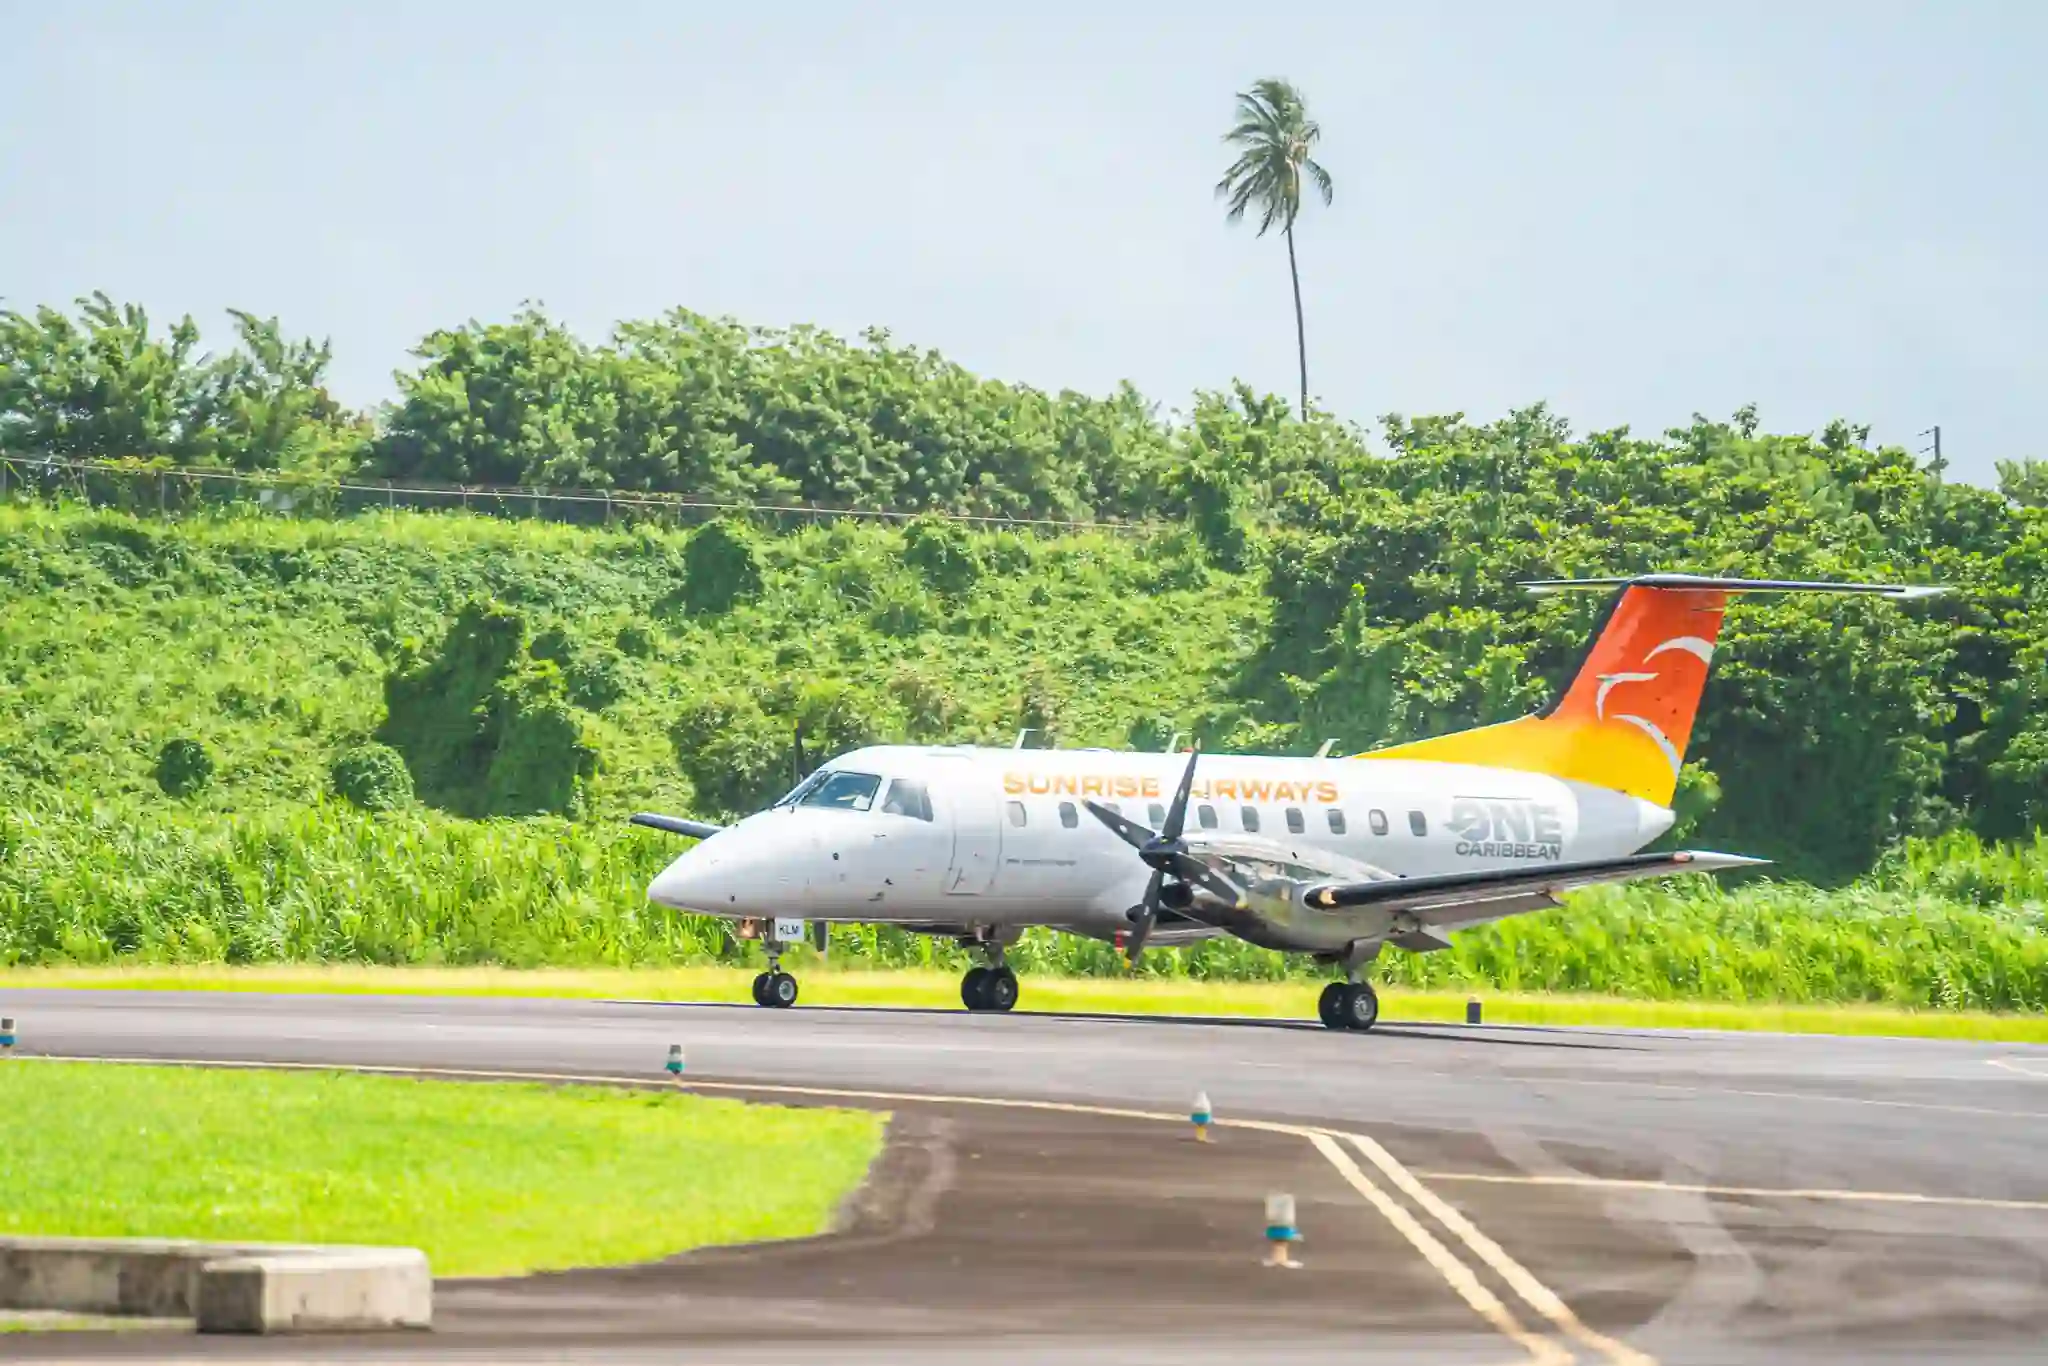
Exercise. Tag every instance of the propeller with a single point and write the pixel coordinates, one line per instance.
(799, 768)
(1166, 853)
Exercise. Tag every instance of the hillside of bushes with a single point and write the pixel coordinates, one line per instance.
(401, 737)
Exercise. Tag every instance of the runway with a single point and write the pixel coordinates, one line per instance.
(1626, 1196)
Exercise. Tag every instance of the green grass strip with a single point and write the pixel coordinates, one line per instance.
(485, 1178)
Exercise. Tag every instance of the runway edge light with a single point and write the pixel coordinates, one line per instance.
(1280, 1230)
(1199, 1115)
(675, 1061)
(7, 1032)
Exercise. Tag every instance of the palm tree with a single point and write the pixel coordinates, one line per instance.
(1273, 138)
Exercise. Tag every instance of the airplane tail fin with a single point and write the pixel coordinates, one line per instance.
(1624, 720)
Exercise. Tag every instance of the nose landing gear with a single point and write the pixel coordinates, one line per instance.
(775, 988)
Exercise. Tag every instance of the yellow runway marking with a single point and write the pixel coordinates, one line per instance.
(1742, 1192)
(1537, 1295)
(1460, 1277)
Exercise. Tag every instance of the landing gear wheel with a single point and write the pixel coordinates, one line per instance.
(1360, 1006)
(970, 988)
(999, 990)
(761, 989)
(779, 991)
(1330, 1005)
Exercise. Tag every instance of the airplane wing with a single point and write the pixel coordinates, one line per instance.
(1484, 893)
(676, 825)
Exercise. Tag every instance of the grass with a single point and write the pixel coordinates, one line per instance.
(1138, 996)
(486, 1179)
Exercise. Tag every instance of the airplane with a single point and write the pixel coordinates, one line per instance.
(1334, 857)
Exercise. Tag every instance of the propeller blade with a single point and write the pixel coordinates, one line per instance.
(796, 757)
(1177, 814)
(1129, 831)
(1193, 871)
(1147, 915)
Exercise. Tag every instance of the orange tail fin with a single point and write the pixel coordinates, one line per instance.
(1626, 717)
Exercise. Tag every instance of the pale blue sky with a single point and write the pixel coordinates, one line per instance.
(1633, 210)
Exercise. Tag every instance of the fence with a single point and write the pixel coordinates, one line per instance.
(149, 489)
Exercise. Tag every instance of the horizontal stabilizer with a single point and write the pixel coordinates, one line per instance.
(1448, 889)
(1883, 590)
(676, 825)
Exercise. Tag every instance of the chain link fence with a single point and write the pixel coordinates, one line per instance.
(149, 489)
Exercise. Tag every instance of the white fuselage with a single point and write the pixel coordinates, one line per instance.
(987, 839)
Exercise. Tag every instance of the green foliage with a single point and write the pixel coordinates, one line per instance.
(722, 566)
(689, 404)
(485, 727)
(943, 554)
(372, 776)
(1297, 587)
(102, 385)
(2024, 481)
(183, 767)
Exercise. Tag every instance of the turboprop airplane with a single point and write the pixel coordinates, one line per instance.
(1336, 857)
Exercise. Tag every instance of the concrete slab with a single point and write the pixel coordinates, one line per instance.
(226, 1288)
(346, 1290)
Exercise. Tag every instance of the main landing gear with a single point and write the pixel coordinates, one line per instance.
(1349, 1005)
(989, 988)
(775, 988)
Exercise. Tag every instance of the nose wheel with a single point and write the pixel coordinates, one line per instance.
(775, 988)
(1349, 1005)
(989, 989)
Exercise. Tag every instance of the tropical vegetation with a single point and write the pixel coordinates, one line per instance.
(235, 732)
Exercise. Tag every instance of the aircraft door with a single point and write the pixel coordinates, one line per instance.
(977, 816)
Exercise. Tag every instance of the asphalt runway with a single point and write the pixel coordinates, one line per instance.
(1478, 1195)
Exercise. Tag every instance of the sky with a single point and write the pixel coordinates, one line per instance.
(1633, 212)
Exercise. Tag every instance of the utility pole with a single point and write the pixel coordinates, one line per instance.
(1937, 464)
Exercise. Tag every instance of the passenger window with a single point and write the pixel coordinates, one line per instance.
(1016, 813)
(1250, 816)
(1418, 823)
(1157, 813)
(1378, 821)
(1113, 808)
(1068, 816)
(1294, 822)
(1205, 816)
(1336, 820)
(907, 798)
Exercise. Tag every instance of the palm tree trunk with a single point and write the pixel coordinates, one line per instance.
(1300, 335)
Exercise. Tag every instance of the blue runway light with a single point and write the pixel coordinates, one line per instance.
(1280, 1230)
(6, 1033)
(1199, 1116)
(675, 1060)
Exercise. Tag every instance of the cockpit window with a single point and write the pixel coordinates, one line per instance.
(843, 791)
(804, 788)
(907, 798)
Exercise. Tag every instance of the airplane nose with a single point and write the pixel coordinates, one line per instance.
(690, 883)
(756, 876)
